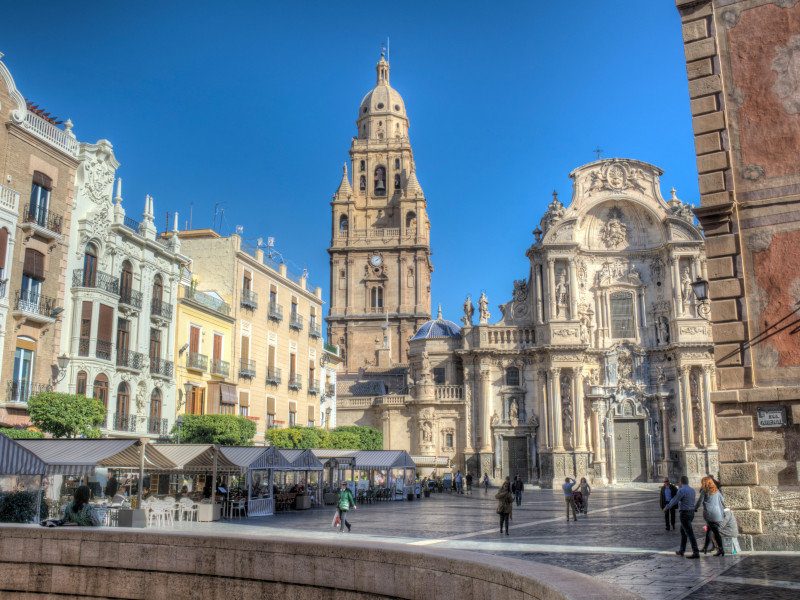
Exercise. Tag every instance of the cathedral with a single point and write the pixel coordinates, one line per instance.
(600, 365)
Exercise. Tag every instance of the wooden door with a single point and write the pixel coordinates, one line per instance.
(629, 450)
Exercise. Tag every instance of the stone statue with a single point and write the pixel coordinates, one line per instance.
(469, 311)
(427, 433)
(661, 377)
(495, 419)
(513, 412)
(562, 294)
(686, 285)
(483, 309)
(567, 412)
(594, 377)
(425, 369)
(663, 331)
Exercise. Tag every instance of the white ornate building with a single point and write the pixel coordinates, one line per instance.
(122, 280)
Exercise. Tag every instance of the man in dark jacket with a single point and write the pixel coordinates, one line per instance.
(112, 485)
(668, 492)
(517, 487)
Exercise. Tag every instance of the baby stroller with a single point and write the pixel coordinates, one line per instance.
(578, 498)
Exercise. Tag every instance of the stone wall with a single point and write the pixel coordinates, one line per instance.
(85, 563)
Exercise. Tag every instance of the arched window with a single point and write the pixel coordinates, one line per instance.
(362, 165)
(622, 325)
(90, 266)
(362, 185)
(126, 282)
(376, 298)
(158, 294)
(101, 389)
(411, 220)
(123, 399)
(343, 223)
(80, 383)
(397, 182)
(512, 376)
(3, 251)
(154, 423)
(380, 181)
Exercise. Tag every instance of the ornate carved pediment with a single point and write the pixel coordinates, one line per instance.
(619, 271)
(616, 176)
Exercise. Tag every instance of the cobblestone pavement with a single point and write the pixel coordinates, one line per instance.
(622, 540)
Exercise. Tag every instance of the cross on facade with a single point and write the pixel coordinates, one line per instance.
(598, 151)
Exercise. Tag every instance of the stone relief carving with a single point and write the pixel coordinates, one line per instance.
(657, 268)
(427, 432)
(555, 212)
(614, 233)
(513, 412)
(616, 176)
(519, 308)
(619, 270)
(580, 267)
(699, 330)
(99, 180)
(662, 327)
(565, 332)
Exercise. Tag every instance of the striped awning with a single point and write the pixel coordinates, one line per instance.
(300, 460)
(431, 461)
(271, 459)
(82, 457)
(197, 458)
(384, 459)
(16, 460)
(243, 456)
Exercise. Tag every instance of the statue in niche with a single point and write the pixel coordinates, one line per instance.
(469, 311)
(495, 419)
(686, 285)
(562, 295)
(427, 433)
(661, 376)
(566, 389)
(513, 412)
(567, 413)
(594, 377)
(662, 324)
(425, 369)
(483, 309)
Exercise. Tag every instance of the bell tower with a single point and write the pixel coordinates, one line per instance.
(380, 238)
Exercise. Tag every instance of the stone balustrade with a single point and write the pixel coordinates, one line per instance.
(449, 392)
(508, 337)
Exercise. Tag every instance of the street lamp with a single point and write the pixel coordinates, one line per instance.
(63, 362)
(179, 422)
(187, 390)
(700, 288)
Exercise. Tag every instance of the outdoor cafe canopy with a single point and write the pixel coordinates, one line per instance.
(299, 460)
(16, 460)
(366, 460)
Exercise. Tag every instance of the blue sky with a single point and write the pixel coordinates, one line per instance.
(254, 104)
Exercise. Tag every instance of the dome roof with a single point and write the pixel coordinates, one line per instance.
(438, 328)
(383, 99)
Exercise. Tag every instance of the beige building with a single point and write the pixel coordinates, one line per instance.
(278, 343)
(38, 178)
(741, 63)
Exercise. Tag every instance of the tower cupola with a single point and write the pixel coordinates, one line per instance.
(382, 113)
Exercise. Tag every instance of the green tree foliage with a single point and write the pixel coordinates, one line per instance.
(296, 437)
(341, 440)
(20, 507)
(226, 430)
(370, 438)
(66, 415)
(21, 434)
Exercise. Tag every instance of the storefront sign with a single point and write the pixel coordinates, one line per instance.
(772, 416)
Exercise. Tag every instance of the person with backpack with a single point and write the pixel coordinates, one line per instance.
(345, 502)
(517, 487)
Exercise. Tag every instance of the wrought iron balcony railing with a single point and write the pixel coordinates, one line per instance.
(34, 303)
(295, 381)
(313, 386)
(159, 308)
(295, 321)
(131, 223)
(196, 361)
(95, 279)
(83, 347)
(161, 367)
(247, 368)
(124, 422)
(39, 215)
(220, 367)
(275, 311)
(273, 375)
(21, 391)
(130, 360)
(130, 298)
(314, 330)
(249, 299)
(331, 349)
(103, 350)
(158, 426)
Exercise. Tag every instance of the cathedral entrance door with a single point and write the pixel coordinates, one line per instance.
(629, 450)
(515, 457)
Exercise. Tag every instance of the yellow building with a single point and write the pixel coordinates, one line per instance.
(203, 353)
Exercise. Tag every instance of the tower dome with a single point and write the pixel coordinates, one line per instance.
(438, 328)
(382, 111)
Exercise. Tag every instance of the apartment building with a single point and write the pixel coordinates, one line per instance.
(278, 342)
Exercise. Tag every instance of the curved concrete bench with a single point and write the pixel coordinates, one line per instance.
(115, 563)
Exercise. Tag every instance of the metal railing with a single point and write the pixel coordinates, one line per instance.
(21, 391)
(124, 422)
(44, 129)
(273, 375)
(9, 198)
(130, 223)
(208, 301)
(330, 389)
(41, 216)
(103, 350)
(314, 330)
(220, 367)
(295, 381)
(159, 308)
(95, 279)
(159, 366)
(83, 347)
(247, 368)
(275, 311)
(129, 359)
(331, 349)
(3, 286)
(158, 425)
(34, 303)
(249, 299)
(196, 361)
(131, 298)
(295, 321)
(313, 386)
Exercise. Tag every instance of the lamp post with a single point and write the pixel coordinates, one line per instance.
(63, 363)
(179, 422)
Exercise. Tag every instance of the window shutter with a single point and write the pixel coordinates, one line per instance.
(270, 406)
(217, 352)
(245, 348)
(33, 266)
(311, 413)
(42, 180)
(244, 399)
(194, 340)
(105, 323)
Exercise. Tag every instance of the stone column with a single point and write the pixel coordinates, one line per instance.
(468, 410)
(580, 426)
(686, 402)
(544, 408)
(573, 290)
(551, 280)
(538, 298)
(663, 407)
(558, 442)
(484, 426)
(675, 264)
(711, 433)
(386, 425)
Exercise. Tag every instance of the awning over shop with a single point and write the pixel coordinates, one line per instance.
(243, 456)
(82, 457)
(16, 460)
(271, 459)
(300, 460)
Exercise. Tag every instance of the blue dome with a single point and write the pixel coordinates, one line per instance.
(438, 328)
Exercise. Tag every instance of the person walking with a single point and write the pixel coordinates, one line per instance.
(569, 501)
(517, 487)
(505, 503)
(459, 483)
(684, 500)
(668, 492)
(469, 483)
(585, 489)
(345, 501)
(485, 482)
(713, 512)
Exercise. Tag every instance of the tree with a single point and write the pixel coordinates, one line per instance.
(295, 437)
(66, 415)
(21, 434)
(341, 440)
(226, 430)
(369, 437)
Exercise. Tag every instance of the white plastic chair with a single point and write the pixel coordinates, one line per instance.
(239, 507)
(188, 507)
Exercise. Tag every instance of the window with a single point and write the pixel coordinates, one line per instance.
(40, 199)
(438, 375)
(89, 266)
(123, 340)
(273, 297)
(311, 415)
(158, 294)
(622, 325)
(362, 183)
(123, 399)
(376, 298)
(126, 282)
(216, 350)
(196, 402)
(23, 369)
(294, 308)
(194, 339)
(244, 411)
(247, 284)
(86, 329)
(32, 277)
(154, 426)
(397, 161)
(105, 331)
(312, 318)
(380, 181)
(411, 220)
(101, 388)
(512, 376)
(343, 223)
(155, 344)
(448, 440)
(270, 421)
(80, 383)
(292, 417)
(362, 166)
(397, 182)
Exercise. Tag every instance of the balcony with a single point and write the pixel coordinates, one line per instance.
(247, 368)
(161, 368)
(83, 347)
(158, 426)
(44, 222)
(331, 349)
(273, 375)
(45, 130)
(34, 307)
(275, 311)
(295, 381)
(21, 391)
(124, 422)
(196, 362)
(330, 390)
(314, 330)
(103, 350)
(208, 301)
(131, 223)
(127, 359)
(160, 310)
(9, 199)
(313, 386)
(131, 298)
(296, 321)
(220, 368)
(95, 279)
(249, 299)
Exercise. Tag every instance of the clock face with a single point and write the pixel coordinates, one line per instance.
(376, 260)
